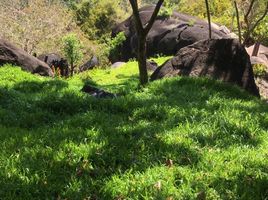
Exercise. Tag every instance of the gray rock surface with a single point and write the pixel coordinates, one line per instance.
(262, 56)
(11, 54)
(221, 59)
(168, 34)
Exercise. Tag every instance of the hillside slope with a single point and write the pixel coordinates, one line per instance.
(178, 138)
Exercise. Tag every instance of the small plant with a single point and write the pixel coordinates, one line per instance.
(115, 43)
(259, 70)
(72, 50)
(112, 46)
(166, 10)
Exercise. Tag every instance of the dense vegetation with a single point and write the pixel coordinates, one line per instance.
(171, 140)
(41, 24)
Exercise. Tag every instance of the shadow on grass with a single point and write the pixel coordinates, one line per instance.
(125, 85)
(115, 135)
(246, 185)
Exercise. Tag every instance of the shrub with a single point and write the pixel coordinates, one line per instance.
(114, 44)
(97, 17)
(72, 50)
(259, 70)
(110, 49)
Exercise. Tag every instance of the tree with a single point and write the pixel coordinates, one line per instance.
(142, 32)
(253, 26)
(34, 25)
(209, 21)
(72, 50)
(252, 18)
(238, 21)
(97, 17)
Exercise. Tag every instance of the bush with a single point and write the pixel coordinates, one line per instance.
(109, 49)
(114, 44)
(97, 18)
(259, 70)
(72, 50)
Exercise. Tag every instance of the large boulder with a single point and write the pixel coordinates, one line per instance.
(9, 53)
(168, 34)
(57, 61)
(222, 59)
(261, 57)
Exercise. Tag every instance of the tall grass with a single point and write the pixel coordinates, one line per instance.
(178, 138)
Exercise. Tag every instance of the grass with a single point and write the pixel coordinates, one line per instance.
(177, 138)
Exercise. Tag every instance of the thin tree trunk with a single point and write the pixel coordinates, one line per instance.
(72, 68)
(238, 22)
(142, 60)
(251, 28)
(256, 49)
(209, 20)
(142, 33)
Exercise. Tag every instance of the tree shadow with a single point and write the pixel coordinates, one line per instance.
(115, 135)
(245, 184)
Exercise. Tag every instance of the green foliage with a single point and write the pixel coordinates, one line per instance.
(110, 48)
(259, 70)
(59, 143)
(261, 31)
(72, 50)
(97, 17)
(166, 10)
(221, 11)
(113, 45)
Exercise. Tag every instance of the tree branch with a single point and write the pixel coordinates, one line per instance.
(260, 19)
(238, 22)
(136, 14)
(209, 20)
(153, 17)
(249, 10)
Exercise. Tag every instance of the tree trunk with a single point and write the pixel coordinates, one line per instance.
(209, 21)
(142, 33)
(72, 68)
(256, 49)
(142, 59)
(238, 22)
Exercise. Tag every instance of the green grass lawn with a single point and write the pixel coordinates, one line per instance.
(59, 143)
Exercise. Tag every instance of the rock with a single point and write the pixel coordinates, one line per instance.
(9, 53)
(151, 65)
(263, 87)
(258, 60)
(117, 65)
(168, 34)
(98, 93)
(93, 62)
(222, 59)
(261, 57)
(57, 61)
